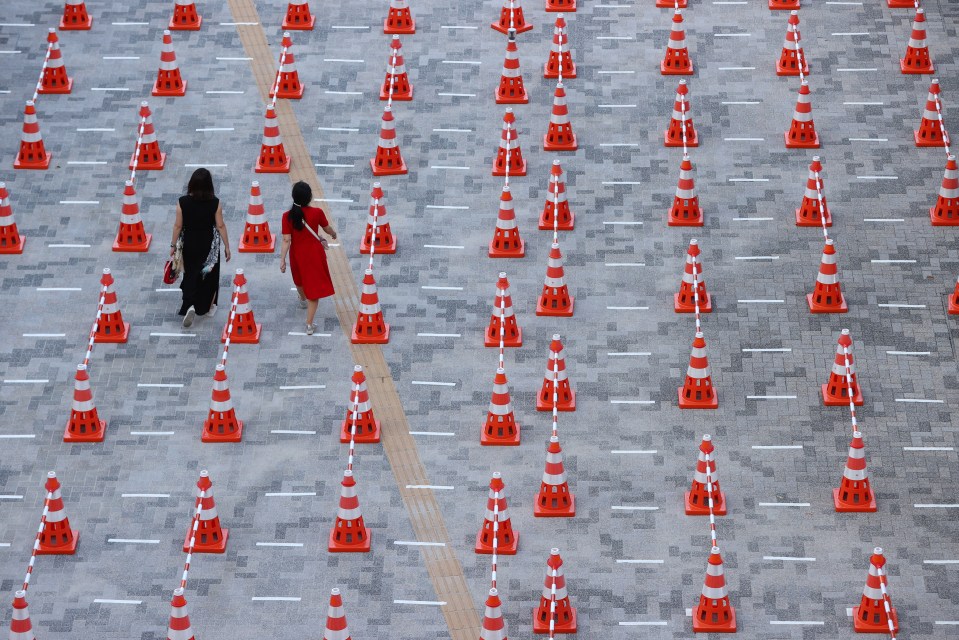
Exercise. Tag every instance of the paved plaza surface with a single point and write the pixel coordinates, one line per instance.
(629, 450)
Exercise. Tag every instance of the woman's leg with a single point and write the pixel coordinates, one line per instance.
(299, 292)
(311, 306)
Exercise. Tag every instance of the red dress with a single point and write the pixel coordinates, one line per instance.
(307, 256)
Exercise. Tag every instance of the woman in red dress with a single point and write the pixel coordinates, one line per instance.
(301, 239)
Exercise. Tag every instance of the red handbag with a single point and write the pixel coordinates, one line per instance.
(169, 273)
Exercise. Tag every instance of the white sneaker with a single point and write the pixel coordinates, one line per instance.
(310, 328)
(188, 318)
(211, 312)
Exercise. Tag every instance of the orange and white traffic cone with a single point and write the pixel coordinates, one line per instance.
(396, 72)
(349, 533)
(802, 130)
(336, 627)
(221, 424)
(20, 626)
(875, 613)
(32, 154)
(185, 17)
(670, 4)
(931, 133)
(681, 122)
(686, 211)
(813, 208)
(560, 57)
(945, 213)
(506, 242)
(792, 60)
(56, 538)
(210, 537)
(555, 299)
(511, 89)
(256, 236)
(698, 391)
(242, 328)
(497, 511)
(370, 327)
(559, 135)
(854, 494)
(901, 4)
(554, 499)
(554, 6)
(110, 324)
(677, 61)
(169, 82)
(501, 428)
(131, 236)
(11, 240)
(503, 317)
(692, 290)
(378, 235)
(179, 627)
(705, 487)
(75, 16)
(360, 424)
(556, 209)
(826, 296)
(494, 626)
(556, 368)
(783, 5)
(272, 158)
(511, 17)
(954, 300)
(388, 160)
(917, 59)
(55, 78)
(714, 613)
(298, 16)
(513, 158)
(84, 423)
(563, 620)
(399, 20)
(148, 157)
(288, 85)
(837, 391)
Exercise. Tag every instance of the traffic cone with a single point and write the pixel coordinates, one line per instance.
(802, 131)
(698, 391)
(288, 85)
(563, 620)
(256, 234)
(148, 156)
(506, 242)
(553, 6)
(901, 4)
(388, 160)
(554, 499)
(84, 423)
(221, 424)
(396, 69)
(503, 316)
(690, 289)
(559, 135)
(210, 536)
(399, 20)
(185, 17)
(560, 61)
(336, 627)
(384, 240)
(131, 236)
(494, 626)
(854, 493)
(242, 328)
(566, 396)
(826, 296)
(11, 240)
(511, 89)
(917, 58)
(792, 60)
(954, 301)
(75, 16)
(512, 158)
(32, 154)
(54, 78)
(945, 213)
(370, 327)
(677, 61)
(836, 392)
(349, 532)
(110, 324)
(272, 158)
(507, 540)
(556, 210)
(511, 9)
(697, 498)
(685, 211)
(367, 427)
(714, 613)
(871, 615)
(783, 5)
(555, 299)
(56, 538)
(681, 115)
(930, 132)
(669, 4)
(298, 16)
(20, 626)
(814, 208)
(168, 82)
(179, 628)
(501, 428)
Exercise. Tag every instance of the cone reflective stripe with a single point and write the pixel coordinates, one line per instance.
(714, 613)
(84, 423)
(349, 532)
(836, 392)
(168, 82)
(55, 78)
(494, 626)
(506, 242)
(272, 158)
(559, 53)
(808, 214)
(503, 305)
(681, 113)
(185, 17)
(110, 324)
(382, 239)
(783, 5)
(388, 160)
(511, 89)
(518, 22)
(20, 626)
(556, 365)
(917, 58)
(565, 615)
(677, 61)
(514, 156)
(954, 300)
(802, 131)
(946, 210)
(792, 60)
(289, 86)
(245, 328)
(685, 211)
(179, 628)
(367, 426)
(556, 209)
(32, 154)
(870, 616)
(697, 498)
(697, 391)
(827, 294)
(11, 240)
(554, 499)
(75, 16)
(501, 428)
(298, 16)
(396, 67)
(256, 234)
(57, 538)
(555, 299)
(210, 536)
(685, 300)
(370, 327)
(336, 628)
(222, 424)
(131, 235)
(930, 132)
(854, 493)
(150, 157)
(507, 540)
(559, 135)
(399, 19)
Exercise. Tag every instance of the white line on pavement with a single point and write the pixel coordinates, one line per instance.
(412, 543)
(628, 353)
(430, 383)
(638, 561)
(279, 544)
(789, 558)
(151, 433)
(439, 335)
(769, 350)
(438, 487)
(150, 385)
(634, 451)
(928, 449)
(432, 433)
(339, 129)
(429, 603)
(770, 397)
(44, 335)
(275, 599)
(144, 495)
(625, 507)
(435, 288)
(783, 504)
(290, 494)
(776, 447)
(294, 432)
(107, 601)
(132, 541)
(298, 387)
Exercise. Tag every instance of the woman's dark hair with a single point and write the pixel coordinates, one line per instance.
(302, 197)
(201, 185)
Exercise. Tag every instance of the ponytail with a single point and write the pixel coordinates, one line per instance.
(296, 216)
(302, 197)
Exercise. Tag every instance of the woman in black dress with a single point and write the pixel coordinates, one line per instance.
(199, 225)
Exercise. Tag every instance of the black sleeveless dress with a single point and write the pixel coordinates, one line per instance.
(199, 224)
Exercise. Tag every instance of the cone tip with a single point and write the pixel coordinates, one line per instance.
(554, 551)
(204, 473)
(179, 590)
(143, 103)
(334, 591)
(555, 336)
(369, 272)
(707, 437)
(553, 439)
(20, 593)
(81, 367)
(255, 184)
(221, 367)
(51, 474)
(502, 274)
(493, 592)
(129, 183)
(699, 335)
(358, 368)
(166, 33)
(347, 473)
(715, 550)
(845, 332)
(496, 474)
(877, 551)
(694, 241)
(857, 434)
